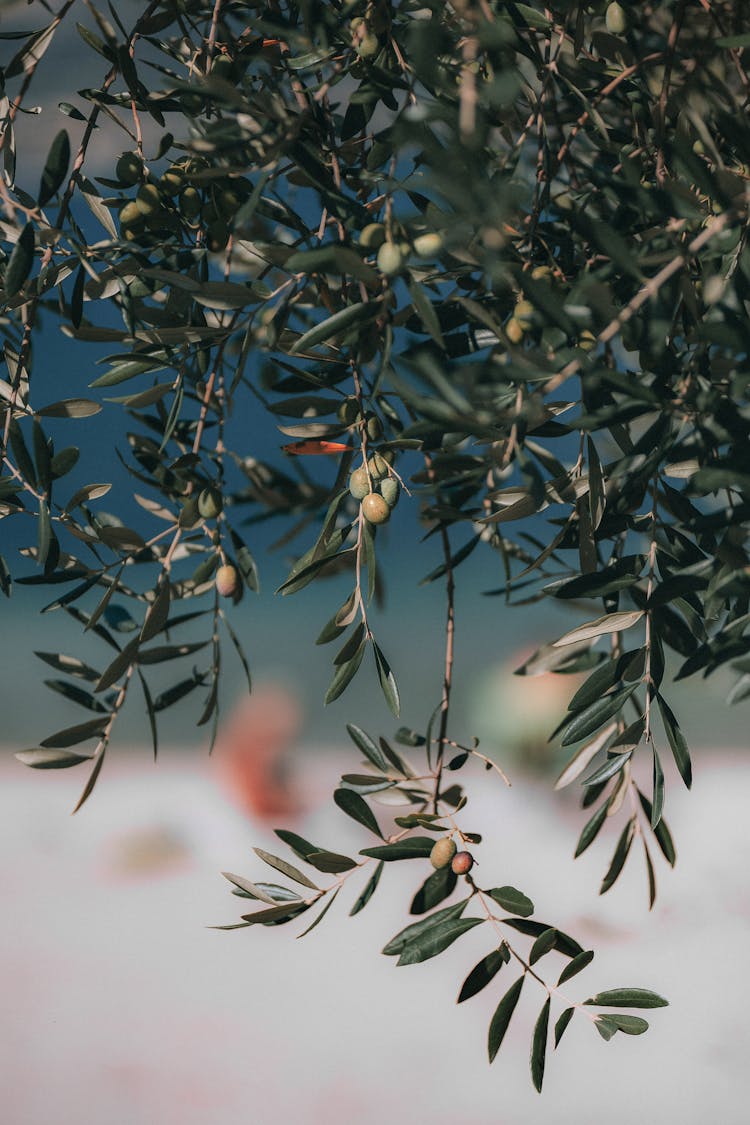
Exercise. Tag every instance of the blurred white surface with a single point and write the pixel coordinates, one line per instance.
(121, 1007)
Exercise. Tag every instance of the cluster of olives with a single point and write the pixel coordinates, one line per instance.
(375, 488)
(393, 254)
(445, 853)
(161, 205)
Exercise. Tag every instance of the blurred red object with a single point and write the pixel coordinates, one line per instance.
(252, 752)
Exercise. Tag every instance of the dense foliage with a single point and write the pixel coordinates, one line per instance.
(492, 255)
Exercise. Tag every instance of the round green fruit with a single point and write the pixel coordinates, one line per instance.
(389, 490)
(462, 863)
(129, 169)
(616, 19)
(172, 180)
(210, 503)
(148, 200)
(514, 330)
(372, 236)
(374, 427)
(368, 46)
(131, 216)
(428, 245)
(442, 853)
(359, 485)
(190, 203)
(227, 581)
(348, 412)
(375, 509)
(378, 467)
(391, 259)
(524, 314)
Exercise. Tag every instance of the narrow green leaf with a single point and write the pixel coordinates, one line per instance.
(628, 998)
(481, 975)
(539, 1046)
(21, 261)
(543, 944)
(345, 673)
(413, 847)
(55, 168)
(562, 1023)
(49, 759)
(437, 939)
(387, 681)
(676, 741)
(398, 943)
(502, 1017)
(576, 965)
(357, 808)
(369, 890)
(285, 868)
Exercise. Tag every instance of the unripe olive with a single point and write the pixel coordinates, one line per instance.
(217, 234)
(368, 46)
(442, 852)
(462, 863)
(375, 509)
(129, 168)
(378, 466)
(210, 503)
(587, 340)
(148, 200)
(172, 180)
(372, 236)
(348, 412)
(428, 245)
(227, 581)
(391, 259)
(228, 203)
(131, 216)
(374, 428)
(616, 19)
(190, 203)
(359, 485)
(514, 331)
(524, 313)
(541, 273)
(389, 490)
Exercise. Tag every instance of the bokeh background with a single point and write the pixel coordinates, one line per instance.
(120, 1005)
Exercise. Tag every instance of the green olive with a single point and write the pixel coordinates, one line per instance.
(514, 331)
(616, 19)
(391, 259)
(368, 46)
(172, 181)
(428, 245)
(210, 503)
(389, 490)
(374, 427)
(442, 852)
(129, 168)
(375, 509)
(149, 199)
(372, 236)
(348, 412)
(524, 314)
(131, 216)
(359, 484)
(378, 467)
(190, 203)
